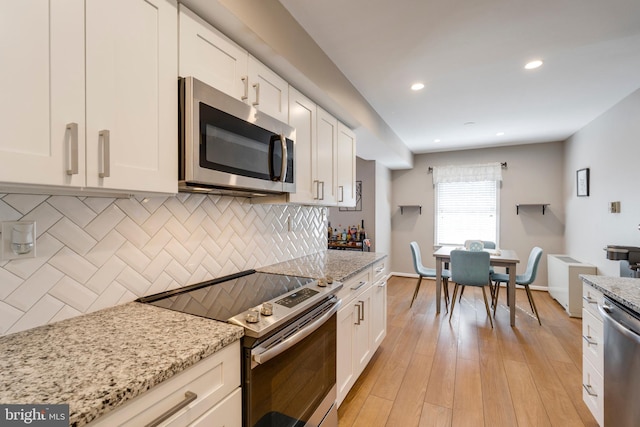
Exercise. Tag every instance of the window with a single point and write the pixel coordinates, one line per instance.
(466, 207)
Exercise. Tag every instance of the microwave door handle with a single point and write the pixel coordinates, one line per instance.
(283, 168)
(273, 167)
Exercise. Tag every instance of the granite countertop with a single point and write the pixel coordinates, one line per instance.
(624, 290)
(98, 361)
(341, 265)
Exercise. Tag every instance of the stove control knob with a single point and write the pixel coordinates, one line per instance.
(267, 309)
(253, 316)
(329, 279)
(322, 283)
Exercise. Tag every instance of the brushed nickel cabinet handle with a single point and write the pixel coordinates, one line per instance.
(245, 81)
(317, 196)
(359, 310)
(72, 128)
(589, 390)
(358, 286)
(341, 193)
(322, 182)
(104, 138)
(589, 340)
(188, 398)
(256, 86)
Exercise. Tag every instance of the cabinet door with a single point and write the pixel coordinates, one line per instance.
(325, 171)
(302, 117)
(42, 87)
(346, 166)
(268, 92)
(378, 312)
(363, 335)
(209, 56)
(132, 102)
(346, 368)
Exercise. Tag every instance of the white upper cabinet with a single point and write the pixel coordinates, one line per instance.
(302, 117)
(210, 56)
(325, 172)
(132, 102)
(120, 133)
(42, 87)
(346, 168)
(268, 91)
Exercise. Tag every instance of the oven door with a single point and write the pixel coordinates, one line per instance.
(290, 378)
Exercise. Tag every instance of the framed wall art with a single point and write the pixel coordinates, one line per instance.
(582, 182)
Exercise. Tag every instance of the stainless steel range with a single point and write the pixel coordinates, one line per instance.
(289, 348)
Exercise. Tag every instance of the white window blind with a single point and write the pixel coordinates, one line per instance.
(466, 210)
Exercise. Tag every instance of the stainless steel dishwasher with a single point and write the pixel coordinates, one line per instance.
(621, 364)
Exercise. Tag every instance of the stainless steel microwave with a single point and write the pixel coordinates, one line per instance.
(229, 147)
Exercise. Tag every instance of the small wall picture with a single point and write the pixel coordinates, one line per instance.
(582, 182)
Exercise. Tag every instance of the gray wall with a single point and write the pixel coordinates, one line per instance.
(365, 172)
(610, 147)
(383, 211)
(534, 175)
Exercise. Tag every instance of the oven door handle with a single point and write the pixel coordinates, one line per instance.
(295, 338)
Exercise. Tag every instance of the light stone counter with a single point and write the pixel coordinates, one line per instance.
(341, 265)
(96, 362)
(624, 290)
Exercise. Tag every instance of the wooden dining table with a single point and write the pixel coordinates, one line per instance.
(498, 258)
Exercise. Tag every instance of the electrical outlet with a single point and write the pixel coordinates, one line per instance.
(18, 240)
(614, 207)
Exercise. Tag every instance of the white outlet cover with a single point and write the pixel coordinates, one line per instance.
(6, 254)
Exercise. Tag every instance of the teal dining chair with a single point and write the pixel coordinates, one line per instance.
(427, 272)
(521, 280)
(486, 244)
(470, 268)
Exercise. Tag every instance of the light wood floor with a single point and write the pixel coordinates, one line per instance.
(432, 372)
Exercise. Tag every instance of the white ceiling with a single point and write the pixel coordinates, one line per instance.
(470, 54)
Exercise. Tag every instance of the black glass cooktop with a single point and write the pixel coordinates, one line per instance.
(225, 297)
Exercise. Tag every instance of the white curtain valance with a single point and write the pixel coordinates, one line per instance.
(467, 173)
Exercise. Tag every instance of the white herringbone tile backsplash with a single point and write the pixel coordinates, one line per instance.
(94, 253)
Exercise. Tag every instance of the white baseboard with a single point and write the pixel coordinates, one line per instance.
(414, 275)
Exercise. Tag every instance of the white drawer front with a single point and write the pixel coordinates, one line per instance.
(354, 286)
(593, 391)
(212, 379)
(227, 413)
(591, 297)
(593, 340)
(380, 270)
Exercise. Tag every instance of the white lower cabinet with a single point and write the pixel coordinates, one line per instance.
(592, 352)
(379, 303)
(216, 383)
(361, 325)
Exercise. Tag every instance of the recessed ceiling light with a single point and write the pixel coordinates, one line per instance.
(436, 140)
(533, 64)
(417, 86)
(499, 133)
(469, 123)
